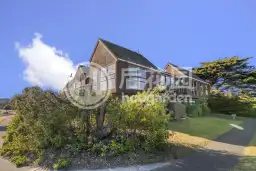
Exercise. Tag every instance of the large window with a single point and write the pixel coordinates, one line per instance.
(109, 73)
(136, 79)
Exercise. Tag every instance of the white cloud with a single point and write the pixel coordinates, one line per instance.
(45, 65)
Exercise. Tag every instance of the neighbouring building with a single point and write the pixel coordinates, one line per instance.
(3, 102)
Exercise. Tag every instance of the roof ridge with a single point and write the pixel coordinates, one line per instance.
(119, 46)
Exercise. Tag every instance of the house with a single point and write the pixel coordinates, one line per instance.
(123, 71)
(3, 102)
(198, 88)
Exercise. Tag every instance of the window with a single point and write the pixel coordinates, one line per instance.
(194, 83)
(142, 73)
(103, 84)
(177, 81)
(132, 83)
(202, 88)
(103, 73)
(111, 69)
(194, 90)
(168, 80)
(172, 81)
(108, 73)
(111, 83)
(135, 83)
(184, 81)
(162, 80)
(133, 71)
(136, 79)
(206, 91)
(111, 76)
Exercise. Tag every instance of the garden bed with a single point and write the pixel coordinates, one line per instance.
(86, 159)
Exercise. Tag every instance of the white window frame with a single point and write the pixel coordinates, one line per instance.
(138, 76)
(110, 71)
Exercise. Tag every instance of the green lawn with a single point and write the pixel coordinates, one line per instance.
(204, 127)
(197, 132)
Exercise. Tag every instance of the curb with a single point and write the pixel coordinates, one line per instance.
(146, 167)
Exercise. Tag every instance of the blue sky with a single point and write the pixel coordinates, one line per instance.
(182, 32)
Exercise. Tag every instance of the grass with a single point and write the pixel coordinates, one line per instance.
(197, 132)
(248, 162)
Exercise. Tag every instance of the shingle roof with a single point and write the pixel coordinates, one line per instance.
(128, 55)
(185, 72)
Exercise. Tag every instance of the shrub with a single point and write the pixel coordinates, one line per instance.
(7, 107)
(118, 148)
(198, 108)
(143, 114)
(194, 110)
(42, 120)
(45, 121)
(205, 109)
(19, 160)
(229, 103)
(98, 148)
(61, 163)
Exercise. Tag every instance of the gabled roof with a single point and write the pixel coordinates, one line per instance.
(184, 71)
(127, 55)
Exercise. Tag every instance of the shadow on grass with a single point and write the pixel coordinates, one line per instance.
(212, 131)
(214, 160)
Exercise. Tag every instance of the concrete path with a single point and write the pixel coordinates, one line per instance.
(220, 155)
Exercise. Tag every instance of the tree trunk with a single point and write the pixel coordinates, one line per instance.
(85, 123)
(100, 117)
(88, 123)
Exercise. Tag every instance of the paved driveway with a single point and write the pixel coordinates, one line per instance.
(220, 155)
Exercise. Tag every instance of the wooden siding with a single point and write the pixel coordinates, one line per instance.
(104, 58)
(200, 89)
(173, 71)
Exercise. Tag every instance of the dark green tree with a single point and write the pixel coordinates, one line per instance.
(232, 73)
